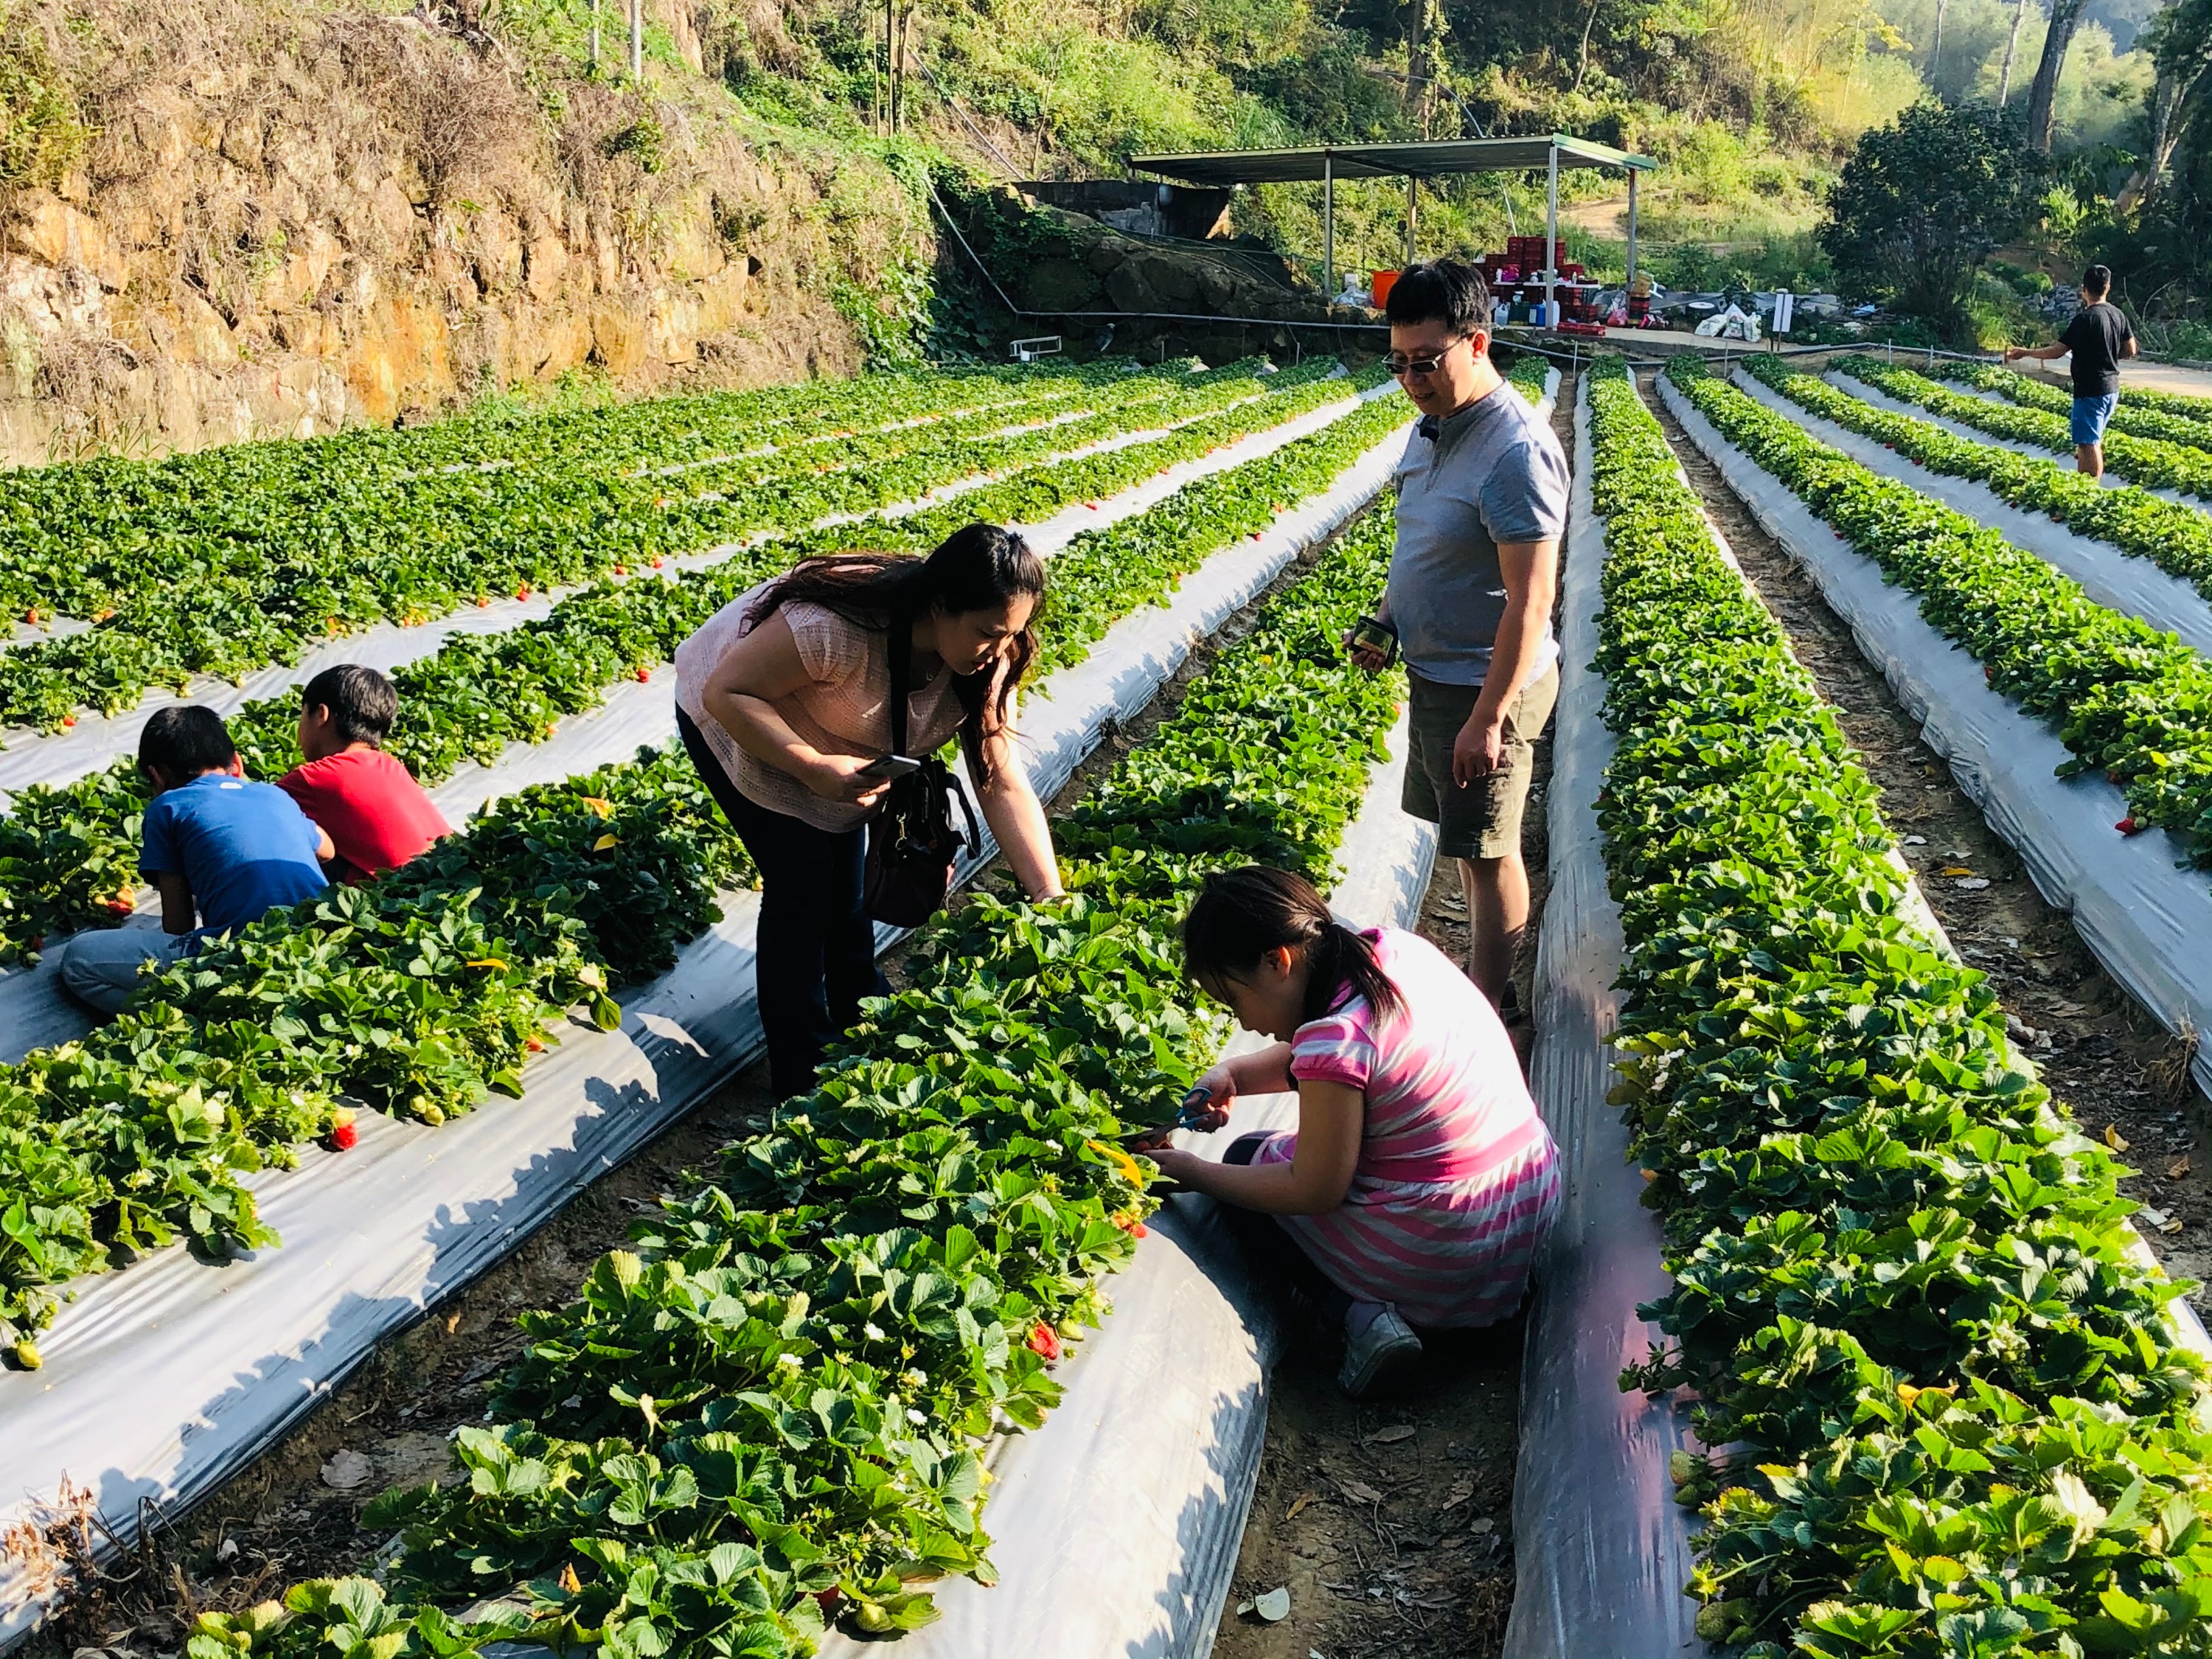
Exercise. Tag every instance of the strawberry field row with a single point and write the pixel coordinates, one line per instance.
(2145, 461)
(68, 855)
(2126, 699)
(2176, 537)
(426, 990)
(2131, 417)
(1957, 1425)
(767, 1414)
(278, 579)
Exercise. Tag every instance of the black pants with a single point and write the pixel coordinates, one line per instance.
(1274, 1251)
(816, 949)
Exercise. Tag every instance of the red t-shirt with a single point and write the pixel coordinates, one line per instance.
(377, 815)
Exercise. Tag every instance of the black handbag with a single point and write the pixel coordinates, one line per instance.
(911, 839)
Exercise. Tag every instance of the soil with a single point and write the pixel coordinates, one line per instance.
(2124, 1077)
(294, 1513)
(1390, 1521)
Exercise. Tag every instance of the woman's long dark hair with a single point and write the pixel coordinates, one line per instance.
(978, 567)
(1241, 915)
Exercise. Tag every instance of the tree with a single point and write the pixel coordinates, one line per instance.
(2043, 96)
(1921, 204)
(2012, 50)
(2179, 40)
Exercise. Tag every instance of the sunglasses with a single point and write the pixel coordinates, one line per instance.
(1400, 365)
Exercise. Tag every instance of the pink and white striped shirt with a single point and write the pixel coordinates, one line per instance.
(1457, 1180)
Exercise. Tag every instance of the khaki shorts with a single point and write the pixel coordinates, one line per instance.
(1482, 820)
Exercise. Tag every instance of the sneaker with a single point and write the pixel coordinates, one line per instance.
(1377, 1344)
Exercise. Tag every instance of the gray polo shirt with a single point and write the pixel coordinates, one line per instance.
(1491, 473)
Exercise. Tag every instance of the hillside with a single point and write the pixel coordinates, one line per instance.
(229, 218)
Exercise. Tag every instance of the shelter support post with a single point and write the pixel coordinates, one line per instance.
(1328, 225)
(636, 41)
(1552, 240)
(1413, 209)
(1632, 227)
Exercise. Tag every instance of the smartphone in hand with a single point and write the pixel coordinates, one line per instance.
(1376, 636)
(890, 766)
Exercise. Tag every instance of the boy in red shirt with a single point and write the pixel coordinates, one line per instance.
(376, 814)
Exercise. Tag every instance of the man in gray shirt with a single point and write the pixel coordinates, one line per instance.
(1482, 504)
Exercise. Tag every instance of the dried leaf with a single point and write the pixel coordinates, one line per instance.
(1394, 1432)
(1274, 1606)
(1296, 1504)
(1481, 1524)
(1957, 870)
(2178, 1167)
(1973, 883)
(1462, 1489)
(1360, 1492)
(2114, 1139)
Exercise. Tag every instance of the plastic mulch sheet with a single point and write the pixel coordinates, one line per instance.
(95, 741)
(2125, 581)
(162, 1380)
(2145, 918)
(1881, 399)
(1116, 1525)
(1600, 1548)
(35, 1013)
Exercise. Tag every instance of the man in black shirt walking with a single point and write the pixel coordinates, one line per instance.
(2099, 336)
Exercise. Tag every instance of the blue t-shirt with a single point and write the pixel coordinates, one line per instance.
(246, 848)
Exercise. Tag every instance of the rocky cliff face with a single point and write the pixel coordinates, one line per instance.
(288, 220)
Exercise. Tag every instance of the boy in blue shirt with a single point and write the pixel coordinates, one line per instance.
(221, 851)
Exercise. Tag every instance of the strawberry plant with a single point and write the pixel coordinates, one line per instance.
(770, 1409)
(270, 575)
(69, 852)
(2176, 537)
(2127, 700)
(425, 991)
(1954, 1417)
(2148, 461)
(2131, 417)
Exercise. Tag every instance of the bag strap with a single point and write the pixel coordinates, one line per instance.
(902, 644)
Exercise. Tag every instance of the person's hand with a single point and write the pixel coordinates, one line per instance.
(1220, 1095)
(1480, 749)
(1177, 1165)
(843, 777)
(1363, 656)
(2012, 352)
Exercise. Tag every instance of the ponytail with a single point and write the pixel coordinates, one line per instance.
(1241, 915)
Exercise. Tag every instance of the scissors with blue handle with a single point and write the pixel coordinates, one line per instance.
(1190, 1114)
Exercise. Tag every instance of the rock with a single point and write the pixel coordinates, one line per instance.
(544, 260)
(346, 1470)
(1217, 286)
(241, 141)
(619, 338)
(1103, 256)
(1060, 285)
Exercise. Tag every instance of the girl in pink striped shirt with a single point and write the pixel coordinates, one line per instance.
(1420, 1180)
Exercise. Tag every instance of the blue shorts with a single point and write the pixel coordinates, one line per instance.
(2089, 417)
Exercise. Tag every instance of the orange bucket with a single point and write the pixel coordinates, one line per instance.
(1384, 282)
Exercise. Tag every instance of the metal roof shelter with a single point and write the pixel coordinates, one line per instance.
(1431, 159)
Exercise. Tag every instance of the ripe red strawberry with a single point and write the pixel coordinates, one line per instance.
(523, 592)
(67, 720)
(344, 1137)
(643, 675)
(622, 570)
(483, 600)
(658, 561)
(1044, 1343)
(32, 616)
(121, 904)
(2129, 826)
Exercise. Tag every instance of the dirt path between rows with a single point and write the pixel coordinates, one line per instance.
(294, 1513)
(1390, 1521)
(2124, 1077)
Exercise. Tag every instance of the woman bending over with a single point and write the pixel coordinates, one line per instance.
(1420, 1180)
(783, 699)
